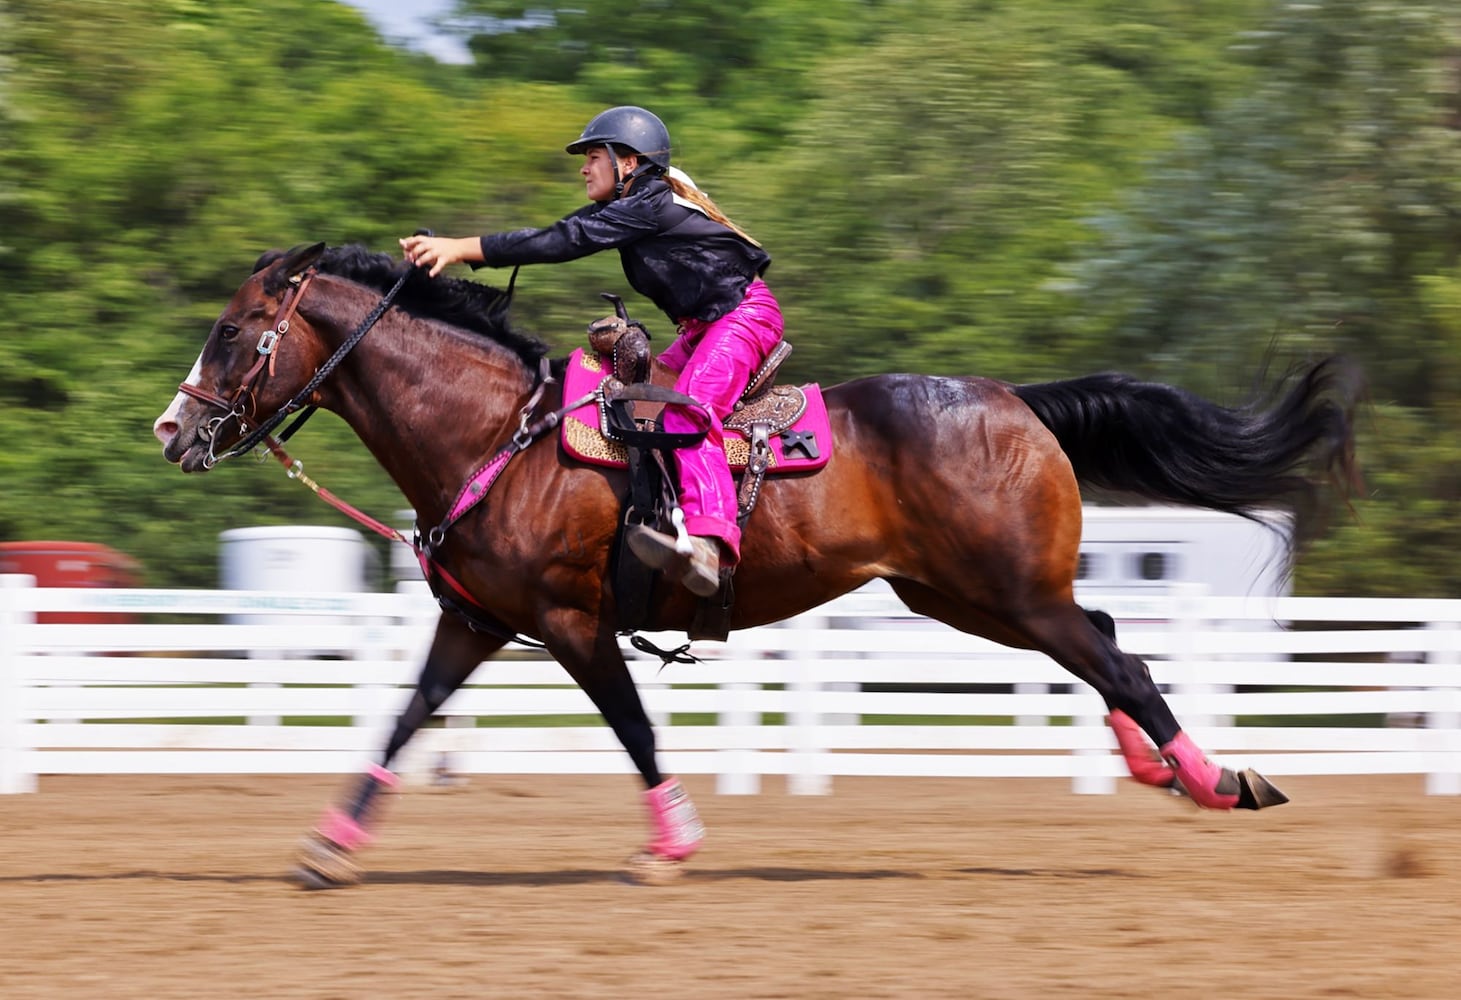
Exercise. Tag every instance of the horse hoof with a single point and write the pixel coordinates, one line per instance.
(325, 865)
(1257, 792)
(646, 868)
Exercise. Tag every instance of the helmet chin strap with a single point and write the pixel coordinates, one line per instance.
(620, 181)
(618, 176)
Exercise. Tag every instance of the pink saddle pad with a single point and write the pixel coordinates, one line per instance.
(804, 446)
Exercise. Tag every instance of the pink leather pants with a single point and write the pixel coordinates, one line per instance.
(715, 360)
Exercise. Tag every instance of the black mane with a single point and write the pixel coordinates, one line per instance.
(468, 305)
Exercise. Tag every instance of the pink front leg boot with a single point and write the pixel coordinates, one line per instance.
(1141, 757)
(678, 831)
(1209, 785)
(346, 831)
(326, 859)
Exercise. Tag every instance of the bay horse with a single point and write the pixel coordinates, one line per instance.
(962, 492)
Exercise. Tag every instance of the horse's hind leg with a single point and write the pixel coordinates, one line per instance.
(1142, 760)
(327, 859)
(1166, 769)
(1084, 644)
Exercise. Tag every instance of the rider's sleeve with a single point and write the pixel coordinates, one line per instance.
(587, 231)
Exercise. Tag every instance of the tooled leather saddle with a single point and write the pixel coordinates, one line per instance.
(773, 429)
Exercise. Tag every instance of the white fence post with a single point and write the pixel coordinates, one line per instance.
(737, 775)
(1445, 723)
(1032, 687)
(1093, 716)
(1187, 618)
(15, 775)
(805, 775)
(370, 645)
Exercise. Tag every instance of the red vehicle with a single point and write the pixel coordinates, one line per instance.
(71, 564)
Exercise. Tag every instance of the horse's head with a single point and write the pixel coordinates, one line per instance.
(250, 365)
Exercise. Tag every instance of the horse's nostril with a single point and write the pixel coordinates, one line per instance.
(165, 430)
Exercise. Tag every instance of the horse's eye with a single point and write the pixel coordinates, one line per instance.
(228, 332)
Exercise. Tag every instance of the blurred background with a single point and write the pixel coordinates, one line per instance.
(1198, 193)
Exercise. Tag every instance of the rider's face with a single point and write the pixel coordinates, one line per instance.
(598, 172)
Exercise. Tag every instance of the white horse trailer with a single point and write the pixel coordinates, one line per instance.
(1164, 550)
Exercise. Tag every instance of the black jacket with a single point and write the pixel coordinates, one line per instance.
(688, 265)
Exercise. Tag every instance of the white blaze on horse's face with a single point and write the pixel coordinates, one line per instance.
(165, 427)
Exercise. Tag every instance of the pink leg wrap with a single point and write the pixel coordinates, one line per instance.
(339, 829)
(1199, 776)
(385, 777)
(676, 825)
(344, 830)
(1141, 757)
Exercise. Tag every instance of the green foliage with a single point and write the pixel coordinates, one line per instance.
(1316, 212)
(1309, 211)
(1028, 190)
(152, 157)
(946, 184)
(684, 52)
(1401, 539)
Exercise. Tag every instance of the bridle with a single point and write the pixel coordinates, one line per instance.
(241, 406)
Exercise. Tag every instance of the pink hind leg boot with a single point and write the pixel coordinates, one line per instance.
(1209, 785)
(1141, 757)
(676, 825)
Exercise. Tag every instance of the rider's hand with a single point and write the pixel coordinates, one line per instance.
(437, 252)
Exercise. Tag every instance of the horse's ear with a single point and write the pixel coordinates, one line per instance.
(265, 259)
(284, 267)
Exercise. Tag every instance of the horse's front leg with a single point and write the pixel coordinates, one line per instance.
(328, 856)
(589, 651)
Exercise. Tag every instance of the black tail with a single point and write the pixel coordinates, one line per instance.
(1165, 444)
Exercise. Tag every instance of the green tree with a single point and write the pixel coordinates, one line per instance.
(149, 158)
(1317, 212)
(1312, 210)
(928, 207)
(682, 52)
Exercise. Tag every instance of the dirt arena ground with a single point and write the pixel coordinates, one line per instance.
(508, 887)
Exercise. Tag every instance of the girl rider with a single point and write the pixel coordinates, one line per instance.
(703, 271)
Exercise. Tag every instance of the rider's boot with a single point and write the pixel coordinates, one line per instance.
(699, 571)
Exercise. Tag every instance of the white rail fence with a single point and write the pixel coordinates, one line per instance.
(250, 682)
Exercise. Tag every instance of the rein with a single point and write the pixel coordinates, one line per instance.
(473, 493)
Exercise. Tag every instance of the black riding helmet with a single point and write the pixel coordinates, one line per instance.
(633, 128)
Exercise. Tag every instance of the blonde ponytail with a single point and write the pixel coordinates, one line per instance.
(686, 191)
